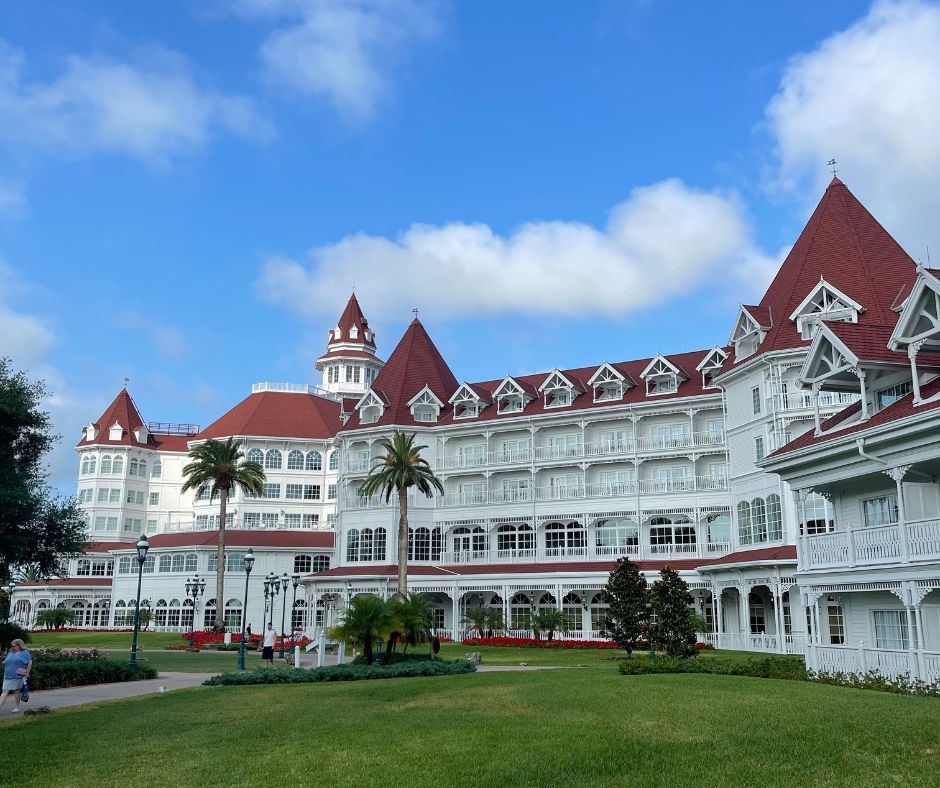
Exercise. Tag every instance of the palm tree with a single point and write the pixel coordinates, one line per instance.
(412, 618)
(220, 467)
(551, 620)
(365, 620)
(401, 467)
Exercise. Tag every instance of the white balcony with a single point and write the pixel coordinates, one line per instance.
(358, 466)
(683, 484)
(891, 663)
(738, 641)
(484, 459)
(803, 400)
(899, 543)
(588, 552)
(655, 443)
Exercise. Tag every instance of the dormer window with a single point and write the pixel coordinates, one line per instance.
(91, 432)
(370, 408)
(824, 303)
(510, 397)
(607, 384)
(337, 333)
(710, 366)
(425, 406)
(661, 376)
(749, 331)
(467, 403)
(353, 332)
(116, 432)
(558, 390)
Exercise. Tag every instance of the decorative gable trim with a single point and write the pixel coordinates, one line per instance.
(606, 372)
(556, 379)
(371, 407)
(714, 358)
(424, 397)
(511, 396)
(662, 376)
(425, 405)
(828, 356)
(833, 291)
(919, 321)
(660, 365)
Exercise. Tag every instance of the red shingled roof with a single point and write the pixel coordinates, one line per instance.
(870, 343)
(278, 414)
(352, 316)
(239, 538)
(68, 581)
(493, 569)
(843, 243)
(761, 314)
(762, 555)
(123, 411)
(104, 547)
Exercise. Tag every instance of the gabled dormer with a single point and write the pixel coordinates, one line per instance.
(141, 434)
(662, 376)
(425, 406)
(370, 407)
(607, 384)
(749, 331)
(91, 432)
(511, 396)
(824, 302)
(467, 402)
(710, 366)
(115, 432)
(918, 325)
(558, 390)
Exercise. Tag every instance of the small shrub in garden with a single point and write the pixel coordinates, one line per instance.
(770, 667)
(872, 680)
(533, 643)
(406, 669)
(59, 672)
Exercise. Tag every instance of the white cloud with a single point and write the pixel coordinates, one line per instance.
(662, 241)
(870, 97)
(24, 337)
(153, 108)
(343, 50)
(169, 342)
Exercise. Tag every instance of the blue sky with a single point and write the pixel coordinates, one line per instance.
(189, 191)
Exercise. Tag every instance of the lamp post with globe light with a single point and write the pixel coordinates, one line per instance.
(285, 580)
(142, 547)
(249, 563)
(295, 579)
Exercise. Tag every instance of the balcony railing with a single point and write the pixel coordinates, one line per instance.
(687, 441)
(587, 552)
(898, 543)
(891, 663)
(803, 400)
(738, 641)
(358, 466)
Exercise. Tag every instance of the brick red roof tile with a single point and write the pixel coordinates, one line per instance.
(124, 411)
(352, 317)
(761, 555)
(278, 414)
(68, 581)
(870, 343)
(321, 540)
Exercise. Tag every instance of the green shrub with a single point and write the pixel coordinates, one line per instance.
(872, 680)
(770, 667)
(54, 618)
(395, 658)
(9, 632)
(57, 672)
(406, 669)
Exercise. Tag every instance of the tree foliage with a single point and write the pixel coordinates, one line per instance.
(412, 618)
(628, 600)
(54, 618)
(365, 620)
(485, 620)
(550, 620)
(220, 467)
(36, 527)
(674, 625)
(401, 468)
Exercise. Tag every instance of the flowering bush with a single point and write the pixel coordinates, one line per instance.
(204, 638)
(702, 645)
(533, 643)
(63, 653)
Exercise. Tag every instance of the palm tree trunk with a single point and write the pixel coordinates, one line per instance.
(403, 542)
(220, 566)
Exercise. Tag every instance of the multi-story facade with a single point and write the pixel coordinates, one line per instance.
(548, 478)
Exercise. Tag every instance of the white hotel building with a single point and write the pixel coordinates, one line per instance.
(788, 476)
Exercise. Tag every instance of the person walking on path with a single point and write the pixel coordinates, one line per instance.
(16, 667)
(267, 650)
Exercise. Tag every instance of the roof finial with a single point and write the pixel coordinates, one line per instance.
(832, 163)
(126, 381)
(415, 312)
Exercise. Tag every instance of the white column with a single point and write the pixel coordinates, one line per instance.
(912, 351)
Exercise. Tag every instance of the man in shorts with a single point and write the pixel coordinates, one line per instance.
(267, 646)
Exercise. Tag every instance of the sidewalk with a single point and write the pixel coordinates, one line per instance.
(93, 693)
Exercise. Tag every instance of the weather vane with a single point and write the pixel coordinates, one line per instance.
(415, 312)
(126, 381)
(832, 163)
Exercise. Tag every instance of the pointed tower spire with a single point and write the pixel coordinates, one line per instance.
(120, 423)
(350, 363)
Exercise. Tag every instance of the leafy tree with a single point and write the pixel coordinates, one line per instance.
(221, 468)
(551, 620)
(412, 618)
(402, 467)
(36, 527)
(54, 618)
(29, 573)
(494, 621)
(477, 618)
(10, 632)
(674, 626)
(366, 620)
(145, 617)
(628, 600)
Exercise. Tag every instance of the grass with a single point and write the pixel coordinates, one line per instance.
(558, 727)
(90, 638)
(557, 657)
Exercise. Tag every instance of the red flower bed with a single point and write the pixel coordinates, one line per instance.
(205, 638)
(533, 643)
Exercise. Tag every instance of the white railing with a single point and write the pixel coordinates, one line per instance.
(687, 441)
(358, 466)
(884, 544)
(803, 400)
(485, 458)
(375, 501)
(746, 641)
(891, 663)
(683, 484)
(587, 552)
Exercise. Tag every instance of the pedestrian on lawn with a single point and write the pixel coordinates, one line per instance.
(267, 651)
(16, 667)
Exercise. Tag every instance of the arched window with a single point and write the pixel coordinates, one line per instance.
(132, 467)
(272, 459)
(520, 612)
(160, 613)
(142, 470)
(166, 563)
(208, 617)
(118, 465)
(313, 462)
(352, 544)
(174, 613)
(774, 517)
(378, 545)
(83, 568)
(92, 461)
(334, 460)
(571, 607)
(188, 614)
(298, 619)
(106, 463)
(235, 562)
(157, 468)
(233, 615)
(512, 537)
(467, 541)
(124, 565)
(85, 459)
(149, 562)
(99, 613)
(598, 612)
(618, 536)
(255, 455)
(547, 601)
(179, 562)
(744, 523)
(419, 544)
(295, 460)
(78, 614)
(303, 563)
(817, 513)
(565, 539)
(192, 562)
(321, 563)
(120, 613)
(758, 520)
(365, 545)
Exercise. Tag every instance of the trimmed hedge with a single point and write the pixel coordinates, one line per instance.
(772, 667)
(407, 669)
(57, 673)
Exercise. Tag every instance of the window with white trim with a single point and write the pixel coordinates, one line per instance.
(295, 460)
(311, 492)
(758, 448)
(891, 629)
(271, 490)
(882, 510)
(836, 625)
(756, 400)
(294, 491)
(292, 520)
(892, 394)
(310, 520)
(269, 520)
(331, 492)
(154, 499)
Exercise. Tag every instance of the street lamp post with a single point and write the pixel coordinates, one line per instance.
(295, 579)
(194, 589)
(142, 547)
(285, 580)
(267, 592)
(274, 588)
(249, 563)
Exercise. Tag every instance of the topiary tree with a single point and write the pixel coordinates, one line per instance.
(628, 601)
(54, 618)
(674, 625)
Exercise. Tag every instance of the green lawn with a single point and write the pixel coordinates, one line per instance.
(91, 639)
(568, 657)
(559, 727)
